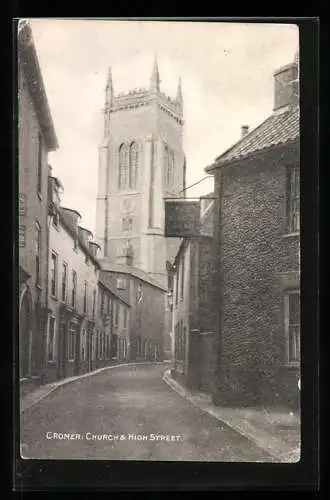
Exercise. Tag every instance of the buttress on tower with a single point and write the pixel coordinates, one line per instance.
(141, 162)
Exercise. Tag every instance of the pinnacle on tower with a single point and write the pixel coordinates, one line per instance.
(109, 88)
(179, 98)
(155, 80)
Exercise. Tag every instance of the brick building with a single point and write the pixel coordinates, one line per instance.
(36, 138)
(193, 315)
(257, 239)
(143, 336)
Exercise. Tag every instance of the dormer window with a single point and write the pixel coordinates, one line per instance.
(56, 220)
(121, 284)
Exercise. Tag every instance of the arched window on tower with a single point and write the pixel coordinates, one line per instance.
(123, 180)
(169, 166)
(133, 164)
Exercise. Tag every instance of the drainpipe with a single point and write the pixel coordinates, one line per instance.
(218, 287)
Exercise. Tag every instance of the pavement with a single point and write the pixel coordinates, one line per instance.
(127, 412)
(277, 432)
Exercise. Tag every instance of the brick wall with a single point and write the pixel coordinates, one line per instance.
(253, 253)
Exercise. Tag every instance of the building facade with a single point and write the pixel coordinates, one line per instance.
(257, 240)
(111, 336)
(141, 162)
(73, 286)
(193, 314)
(36, 138)
(143, 335)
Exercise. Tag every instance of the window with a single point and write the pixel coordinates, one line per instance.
(38, 248)
(293, 199)
(53, 274)
(169, 166)
(72, 341)
(108, 346)
(74, 289)
(133, 164)
(123, 182)
(100, 344)
(85, 296)
(94, 338)
(51, 339)
(126, 224)
(83, 344)
(116, 315)
(64, 282)
(140, 294)
(177, 286)
(138, 346)
(22, 204)
(121, 284)
(94, 302)
(180, 334)
(39, 180)
(125, 317)
(22, 236)
(102, 299)
(292, 317)
(182, 279)
(114, 346)
(109, 305)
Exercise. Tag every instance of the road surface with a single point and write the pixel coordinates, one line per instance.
(128, 413)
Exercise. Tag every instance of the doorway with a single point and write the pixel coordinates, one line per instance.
(25, 321)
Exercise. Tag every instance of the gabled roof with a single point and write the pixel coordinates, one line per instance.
(277, 129)
(132, 271)
(30, 64)
(104, 280)
(65, 223)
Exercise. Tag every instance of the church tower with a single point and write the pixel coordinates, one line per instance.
(141, 162)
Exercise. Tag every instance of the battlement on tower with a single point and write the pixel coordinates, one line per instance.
(142, 97)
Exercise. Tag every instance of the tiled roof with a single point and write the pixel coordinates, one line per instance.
(133, 271)
(275, 130)
(104, 280)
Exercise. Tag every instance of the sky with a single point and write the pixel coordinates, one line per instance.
(226, 71)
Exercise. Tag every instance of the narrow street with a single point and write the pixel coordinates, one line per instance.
(128, 413)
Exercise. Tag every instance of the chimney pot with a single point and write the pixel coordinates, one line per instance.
(244, 130)
(286, 83)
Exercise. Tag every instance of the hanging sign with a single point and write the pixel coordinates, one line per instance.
(182, 218)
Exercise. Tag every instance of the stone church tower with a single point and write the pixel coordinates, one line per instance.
(141, 162)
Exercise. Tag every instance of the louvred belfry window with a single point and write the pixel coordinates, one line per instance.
(123, 167)
(133, 164)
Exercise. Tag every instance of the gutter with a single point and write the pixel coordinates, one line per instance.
(255, 154)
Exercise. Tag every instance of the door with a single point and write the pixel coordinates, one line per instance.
(62, 349)
(24, 336)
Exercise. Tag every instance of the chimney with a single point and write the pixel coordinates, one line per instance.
(85, 235)
(94, 248)
(125, 255)
(286, 87)
(244, 130)
(71, 217)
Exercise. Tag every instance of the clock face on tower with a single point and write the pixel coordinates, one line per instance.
(127, 205)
